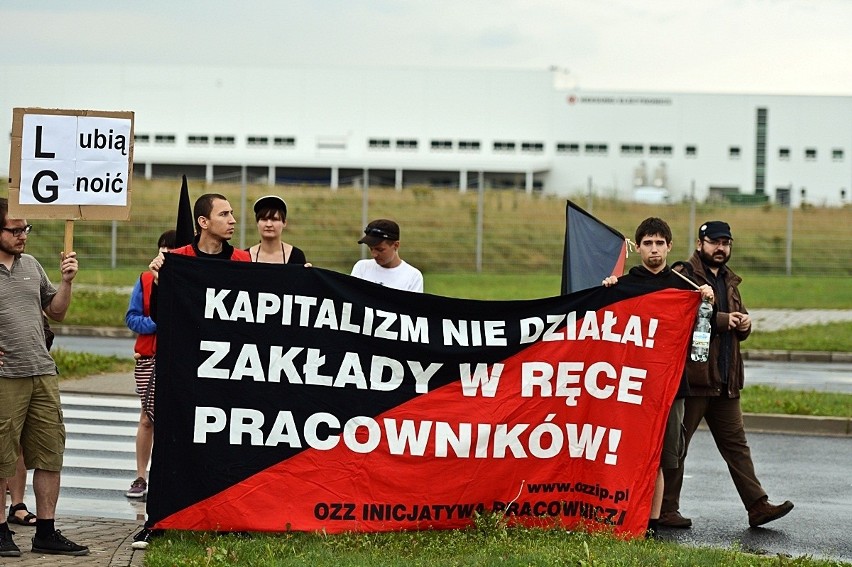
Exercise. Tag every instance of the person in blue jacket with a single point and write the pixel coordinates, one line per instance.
(138, 320)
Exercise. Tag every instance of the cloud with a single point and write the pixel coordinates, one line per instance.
(670, 45)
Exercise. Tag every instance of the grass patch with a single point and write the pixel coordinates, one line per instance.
(795, 292)
(480, 545)
(79, 364)
(493, 286)
(767, 399)
(98, 308)
(831, 337)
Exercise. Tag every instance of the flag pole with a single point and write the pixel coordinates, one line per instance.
(686, 279)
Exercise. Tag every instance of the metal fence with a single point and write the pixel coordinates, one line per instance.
(445, 230)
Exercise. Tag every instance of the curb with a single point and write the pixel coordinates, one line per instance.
(84, 331)
(798, 424)
(797, 356)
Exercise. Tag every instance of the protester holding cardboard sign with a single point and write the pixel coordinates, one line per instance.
(29, 386)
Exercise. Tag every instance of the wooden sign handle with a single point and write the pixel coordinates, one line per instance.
(69, 236)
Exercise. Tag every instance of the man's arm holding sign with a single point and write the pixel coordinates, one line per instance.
(58, 306)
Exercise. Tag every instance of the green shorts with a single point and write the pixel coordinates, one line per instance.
(674, 438)
(31, 422)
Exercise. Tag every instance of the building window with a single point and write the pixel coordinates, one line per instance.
(734, 152)
(837, 154)
(504, 146)
(810, 154)
(257, 140)
(224, 140)
(197, 140)
(632, 149)
(659, 150)
(378, 144)
(441, 145)
(566, 148)
(406, 144)
(761, 130)
(784, 154)
(532, 147)
(691, 151)
(469, 145)
(596, 149)
(285, 141)
(141, 138)
(164, 139)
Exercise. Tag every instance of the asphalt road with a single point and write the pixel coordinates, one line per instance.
(815, 473)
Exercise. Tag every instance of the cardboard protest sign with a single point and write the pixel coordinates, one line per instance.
(71, 164)
(335, 404)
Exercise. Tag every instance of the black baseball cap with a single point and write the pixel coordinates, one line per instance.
(378, 231)
(715, 229)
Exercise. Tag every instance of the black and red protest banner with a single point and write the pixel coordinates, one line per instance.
(293, 398)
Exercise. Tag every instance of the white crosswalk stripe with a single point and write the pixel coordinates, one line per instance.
(100, 458)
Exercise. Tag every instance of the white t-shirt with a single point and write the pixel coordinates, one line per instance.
(405, 276)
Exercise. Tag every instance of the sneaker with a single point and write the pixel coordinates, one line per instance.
(763, 512)
(7, 546)
(144, 537)
(138, 488)
(674, 520)
(58, 544)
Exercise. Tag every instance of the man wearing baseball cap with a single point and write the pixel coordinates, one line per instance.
(386, 267)
(714, 386)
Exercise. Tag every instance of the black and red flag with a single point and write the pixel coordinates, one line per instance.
(294, 398)
(592, 251)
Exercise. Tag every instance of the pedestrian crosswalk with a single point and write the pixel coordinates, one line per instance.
(100, 458)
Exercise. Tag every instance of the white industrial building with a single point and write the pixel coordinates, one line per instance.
(530, 130)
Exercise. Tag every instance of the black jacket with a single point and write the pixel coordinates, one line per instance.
(664, 279)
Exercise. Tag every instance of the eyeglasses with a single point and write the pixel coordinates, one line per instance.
(19, 231)
(379, 232)
(719, 243)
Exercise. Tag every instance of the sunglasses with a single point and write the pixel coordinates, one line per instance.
(381, 233)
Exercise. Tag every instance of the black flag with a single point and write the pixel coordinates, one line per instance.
(185, 227)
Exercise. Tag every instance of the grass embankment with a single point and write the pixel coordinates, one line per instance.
(489, 543)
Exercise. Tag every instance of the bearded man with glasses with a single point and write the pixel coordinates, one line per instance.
(714, 386)
(29, 387)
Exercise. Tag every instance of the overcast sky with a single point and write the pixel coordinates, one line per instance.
(743, 46)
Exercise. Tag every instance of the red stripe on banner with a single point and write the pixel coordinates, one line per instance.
(580, 447)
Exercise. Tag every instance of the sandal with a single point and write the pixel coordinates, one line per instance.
(28, 520)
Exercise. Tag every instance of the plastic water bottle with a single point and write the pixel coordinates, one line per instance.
(701, 333)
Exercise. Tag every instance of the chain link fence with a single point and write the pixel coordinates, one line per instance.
(444, 230)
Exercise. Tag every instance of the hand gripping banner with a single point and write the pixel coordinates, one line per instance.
(293, 398)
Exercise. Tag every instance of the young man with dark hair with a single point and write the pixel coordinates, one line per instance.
(29, 386)
(714, 387)
(654, 242)
(214, 225)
